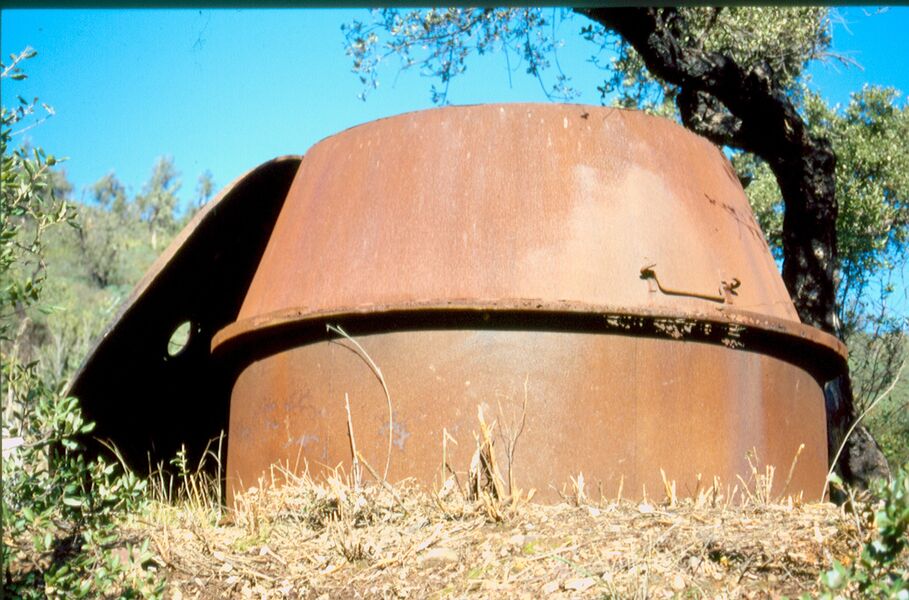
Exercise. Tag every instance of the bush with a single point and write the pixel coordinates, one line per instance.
(60, 511)
(882, 570)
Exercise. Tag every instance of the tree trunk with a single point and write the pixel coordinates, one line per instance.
(742, 108)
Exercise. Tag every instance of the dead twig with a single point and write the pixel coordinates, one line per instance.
(378, 372)
(384, 483)
(355, 461)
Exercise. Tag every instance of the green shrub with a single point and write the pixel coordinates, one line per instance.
(60, 510)
(882, 570)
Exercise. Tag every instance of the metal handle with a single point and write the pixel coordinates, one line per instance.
(726, 289)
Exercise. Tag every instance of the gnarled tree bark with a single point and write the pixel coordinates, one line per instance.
(741, 107)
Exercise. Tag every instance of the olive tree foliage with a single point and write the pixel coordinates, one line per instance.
(737, 77)
(439, 41)
(781, 40)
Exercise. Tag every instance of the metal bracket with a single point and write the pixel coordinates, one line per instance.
(727, 289)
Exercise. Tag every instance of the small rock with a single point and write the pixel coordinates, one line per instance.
(580, 584)
(645, 508)
(678, 582)
(593, 511)
(551, 587)
(439, 555)
(818, 536)
(522, 540)
(694, 562)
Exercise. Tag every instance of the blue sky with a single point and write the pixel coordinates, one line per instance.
(225, 90)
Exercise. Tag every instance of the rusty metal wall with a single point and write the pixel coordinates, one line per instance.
(532, 210)
(605, 405)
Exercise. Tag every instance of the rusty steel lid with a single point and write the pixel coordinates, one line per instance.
(536, 207)
(149, 399)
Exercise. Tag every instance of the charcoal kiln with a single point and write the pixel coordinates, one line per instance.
(593, 280)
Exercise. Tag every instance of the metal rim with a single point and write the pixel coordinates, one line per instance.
(798, 333)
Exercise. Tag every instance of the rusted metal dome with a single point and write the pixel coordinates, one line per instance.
(592, 279)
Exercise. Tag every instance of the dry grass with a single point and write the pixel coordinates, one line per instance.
(337, 540)
(483, 538)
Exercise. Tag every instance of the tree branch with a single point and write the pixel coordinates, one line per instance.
(704, 115)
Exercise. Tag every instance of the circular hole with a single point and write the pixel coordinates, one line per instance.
(179, 338)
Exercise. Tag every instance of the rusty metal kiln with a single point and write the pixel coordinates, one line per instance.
(591, 278)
